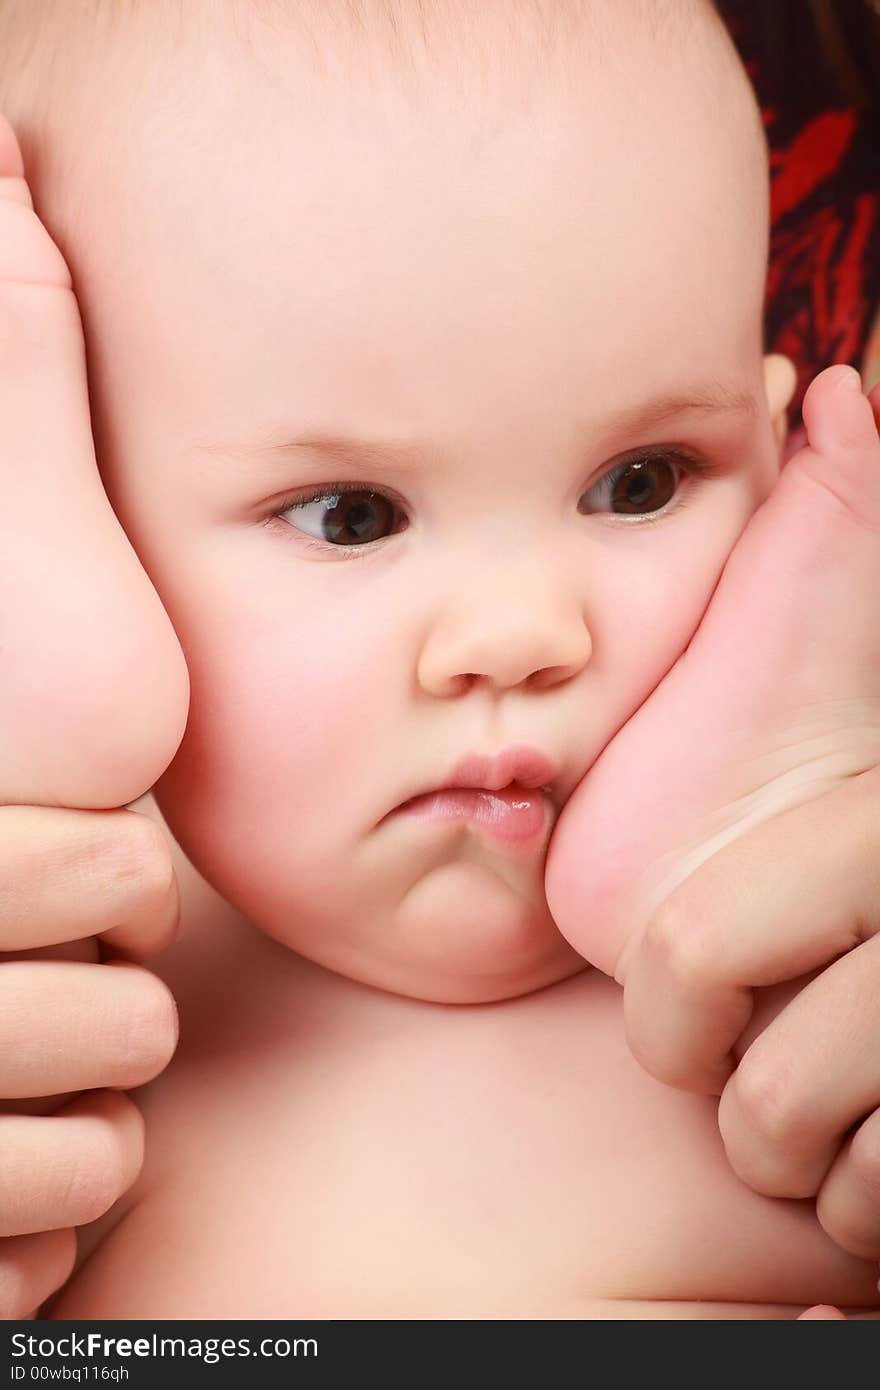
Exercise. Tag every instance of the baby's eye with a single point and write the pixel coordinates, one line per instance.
(639, 487)
(340, 517)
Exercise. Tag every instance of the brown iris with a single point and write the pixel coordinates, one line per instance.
(357, 516)
(646, 483)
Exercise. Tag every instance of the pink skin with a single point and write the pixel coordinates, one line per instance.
(495, 299)
(775, 701)
(822, 1312)
(659, 870)
(323, 691)
(78, 727)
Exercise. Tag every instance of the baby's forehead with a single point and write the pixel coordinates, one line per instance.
(406, 30)
(485, 65)
(473, 50)
(477, 72)
(404, 43)
(462, 245)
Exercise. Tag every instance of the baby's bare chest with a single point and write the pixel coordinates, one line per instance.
(449, 1163)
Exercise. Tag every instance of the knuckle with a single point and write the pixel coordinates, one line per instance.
(771, 1105)
(845, 1229)
(865, 1159)
(677, 941)
(138, 856)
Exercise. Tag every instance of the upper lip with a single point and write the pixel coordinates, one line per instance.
(520, 763)
(526, 766)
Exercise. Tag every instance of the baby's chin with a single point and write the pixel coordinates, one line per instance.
(446, 981)
(457, 937)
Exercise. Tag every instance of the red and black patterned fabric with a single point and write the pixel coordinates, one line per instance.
(823, 288)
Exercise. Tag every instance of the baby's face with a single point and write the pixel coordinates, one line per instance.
(489, 305)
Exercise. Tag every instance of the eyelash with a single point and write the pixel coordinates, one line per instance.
(692, 465)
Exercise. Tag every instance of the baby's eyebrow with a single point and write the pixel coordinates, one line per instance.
(714, 398)
(343, 449)
(353, 451)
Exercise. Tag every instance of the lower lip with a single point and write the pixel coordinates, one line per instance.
(513, 816)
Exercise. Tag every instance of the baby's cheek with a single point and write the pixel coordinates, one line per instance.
(677, 586)
(654, 597)
(283, 743)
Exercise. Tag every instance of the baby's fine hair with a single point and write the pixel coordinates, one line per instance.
(58, 54)
(40, 38)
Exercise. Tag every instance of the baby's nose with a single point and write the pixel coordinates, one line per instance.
(507, 634)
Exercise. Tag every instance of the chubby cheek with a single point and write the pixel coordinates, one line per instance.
(582, 852)
(651, 608)
(278, 776)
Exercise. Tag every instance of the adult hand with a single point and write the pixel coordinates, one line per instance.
(800, 1113)
(722, 857)
(93, 702)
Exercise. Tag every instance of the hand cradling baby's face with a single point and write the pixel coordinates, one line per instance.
(506, 259)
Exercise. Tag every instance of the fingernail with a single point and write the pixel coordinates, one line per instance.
(850, 379)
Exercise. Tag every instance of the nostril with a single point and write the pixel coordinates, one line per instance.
(548, 675)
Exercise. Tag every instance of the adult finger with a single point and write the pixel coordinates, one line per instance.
(70, 874)
(32, 1268)
(848, 1204)
(71, 1027)
(64, 1170)
(95, 690)
(806, 1079)
(787, 897)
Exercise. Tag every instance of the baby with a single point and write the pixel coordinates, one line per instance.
(427, 383)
